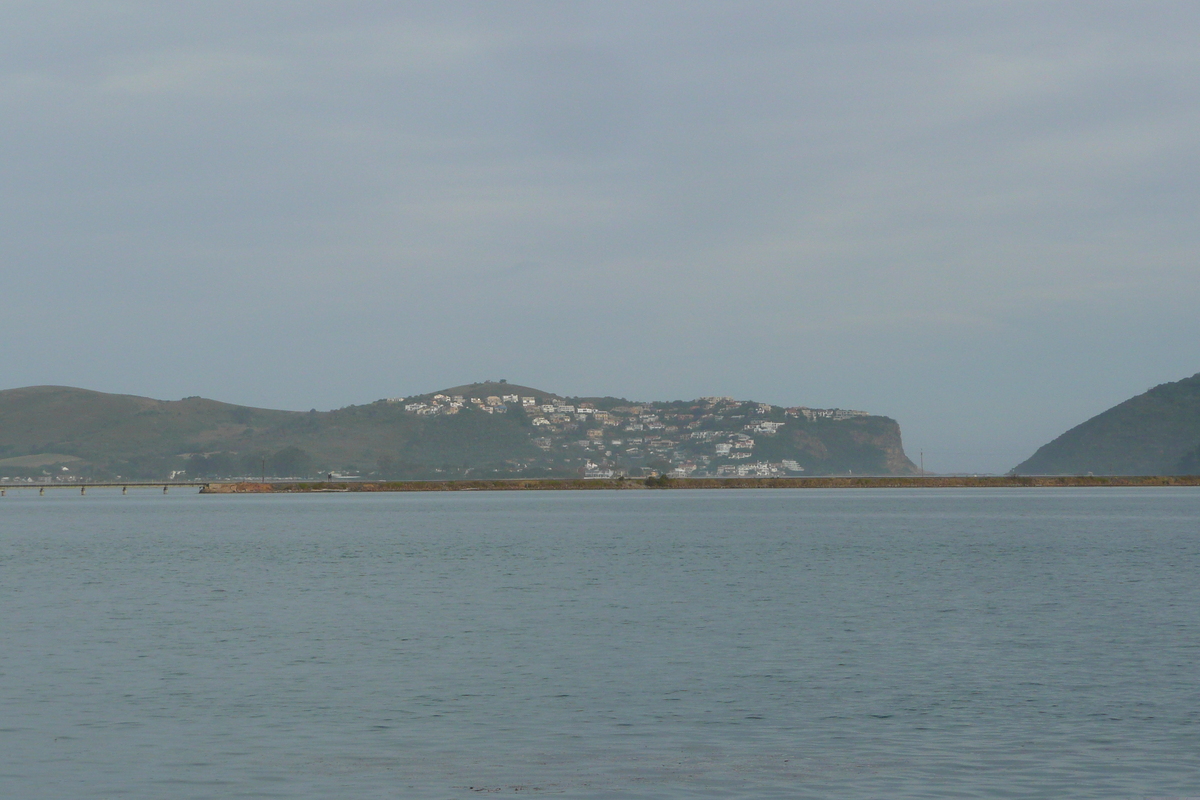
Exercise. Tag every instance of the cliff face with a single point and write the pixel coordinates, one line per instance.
(861, 446)
(1151, 434)
(490, 430)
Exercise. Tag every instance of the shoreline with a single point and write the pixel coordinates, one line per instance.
(637, 484)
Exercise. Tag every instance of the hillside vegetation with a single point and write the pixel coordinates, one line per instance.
(1156, 433)
(482, 430)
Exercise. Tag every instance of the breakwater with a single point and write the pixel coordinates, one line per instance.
(847, 482)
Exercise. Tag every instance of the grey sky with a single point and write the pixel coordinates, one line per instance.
(979, 218)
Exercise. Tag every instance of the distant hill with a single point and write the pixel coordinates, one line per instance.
(474, 430)
(1156, 433)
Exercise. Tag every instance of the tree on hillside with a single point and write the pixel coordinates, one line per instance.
(214, 465)
(290, 462)
(1190, 463)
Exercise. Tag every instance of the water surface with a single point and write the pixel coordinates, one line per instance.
(771, 643)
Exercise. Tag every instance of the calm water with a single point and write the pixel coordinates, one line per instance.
(832, 644)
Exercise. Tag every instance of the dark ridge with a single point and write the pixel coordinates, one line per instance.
(1155, 433)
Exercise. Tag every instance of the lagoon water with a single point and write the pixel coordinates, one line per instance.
(750, 644)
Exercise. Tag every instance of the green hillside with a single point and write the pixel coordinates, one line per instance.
(1189, 464)
(480, 430)
(1156, 433)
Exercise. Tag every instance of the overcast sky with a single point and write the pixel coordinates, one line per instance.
(979, 218)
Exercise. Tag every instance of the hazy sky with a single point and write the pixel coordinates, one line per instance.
(979, 218)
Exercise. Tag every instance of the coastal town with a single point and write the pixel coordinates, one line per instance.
(607, 438)
(477, 431)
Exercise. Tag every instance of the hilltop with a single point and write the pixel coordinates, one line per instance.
(1155, 433)
(478, 430)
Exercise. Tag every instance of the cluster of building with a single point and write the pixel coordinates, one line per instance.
(824, 413)
(452, 404)
(711, 436)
